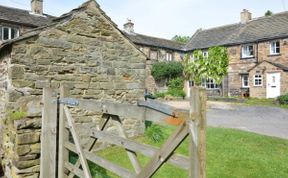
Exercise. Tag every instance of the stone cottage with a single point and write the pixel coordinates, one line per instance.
(258, 54)
(157, 50)
(82, 49)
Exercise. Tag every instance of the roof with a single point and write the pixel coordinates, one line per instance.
(259, 29)
(140, 39)
(280, 66)
(62, 19)
(23, 17)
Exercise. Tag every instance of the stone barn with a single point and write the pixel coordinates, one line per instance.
(83, 50)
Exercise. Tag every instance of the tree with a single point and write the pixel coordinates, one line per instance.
(268, 13)
(214, 67)
(181, 39)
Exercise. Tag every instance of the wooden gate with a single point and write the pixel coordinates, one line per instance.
(55, 149)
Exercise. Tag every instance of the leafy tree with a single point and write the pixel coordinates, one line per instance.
(214, 67)
(268, 13)
(181, 39)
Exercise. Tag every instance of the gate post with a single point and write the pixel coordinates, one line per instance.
(48, 134)
(197, 128)
(63, 155)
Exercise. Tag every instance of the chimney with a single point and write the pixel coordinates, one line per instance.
(245, 16)
(37, 7)
(129, 26)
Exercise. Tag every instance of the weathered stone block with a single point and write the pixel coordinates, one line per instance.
(35, 148)
(22, 149)
(26, 164)
(28, 138)
(16, 72)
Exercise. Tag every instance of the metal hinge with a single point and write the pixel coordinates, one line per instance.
(69, 101)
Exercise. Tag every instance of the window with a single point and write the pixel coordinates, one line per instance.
(257, 80)
(209, 84)
(275, 47)
(205, 54)
(9, 33)
(153, 54)
(247, 51)
(169, 56)
(245, 81)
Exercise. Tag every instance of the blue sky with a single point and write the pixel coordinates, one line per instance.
(166, 18)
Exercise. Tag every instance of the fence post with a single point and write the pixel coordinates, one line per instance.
(48, 134)
(197, 128)
(63, 155)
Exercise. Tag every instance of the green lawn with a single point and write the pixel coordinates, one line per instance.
(230, 153)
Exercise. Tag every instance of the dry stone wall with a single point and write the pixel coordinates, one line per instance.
(87, 54)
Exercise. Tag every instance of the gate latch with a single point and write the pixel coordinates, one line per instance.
(69, 101)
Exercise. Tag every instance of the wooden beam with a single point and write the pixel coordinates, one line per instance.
(197, 130)
(77, 143)
(72, 168)
(63, 155)
(122, 172)
(133, 111)
(48, 163)
(131, 154)
(92, 141)
(165, 151)
(147, 150)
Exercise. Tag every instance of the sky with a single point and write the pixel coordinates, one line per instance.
(166, 18)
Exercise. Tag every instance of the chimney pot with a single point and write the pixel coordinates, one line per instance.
(37, 7)
(129, 26)
(245, 16)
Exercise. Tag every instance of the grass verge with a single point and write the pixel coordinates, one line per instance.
(230, 153)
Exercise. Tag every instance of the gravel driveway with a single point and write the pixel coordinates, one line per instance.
(270, 121)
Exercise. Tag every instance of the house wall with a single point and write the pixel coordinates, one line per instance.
(95, 62)
(151, 85)
(264, 69)
(238, 66)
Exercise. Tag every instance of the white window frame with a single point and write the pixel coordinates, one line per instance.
(274, 47)
(208, 83)
(243, 79)
(205, 54)
(259, 78)
(154, 52)
(169, 56)
(9, 33)
(246, 51)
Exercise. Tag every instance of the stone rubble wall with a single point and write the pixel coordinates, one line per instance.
(88, 55)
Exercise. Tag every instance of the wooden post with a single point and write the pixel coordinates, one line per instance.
(63, 155)
(48, 134)
(197, 129)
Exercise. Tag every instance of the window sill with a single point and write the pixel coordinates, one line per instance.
(273, 55)
(245, 58)
(244, 87)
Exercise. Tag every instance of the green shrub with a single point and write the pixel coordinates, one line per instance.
(283, 99)
(175, 88)
(176, 83)
(154, 133)
(176, 92)
(160, 95)
(166, 70)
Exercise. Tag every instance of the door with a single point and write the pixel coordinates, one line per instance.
(273, 85)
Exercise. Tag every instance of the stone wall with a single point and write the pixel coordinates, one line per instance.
(156, 55)
(87, 54)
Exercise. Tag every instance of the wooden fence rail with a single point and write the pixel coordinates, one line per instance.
(192, 126)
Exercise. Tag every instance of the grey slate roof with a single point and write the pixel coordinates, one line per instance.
(140, 39)
(259, 29)
(20, 16)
